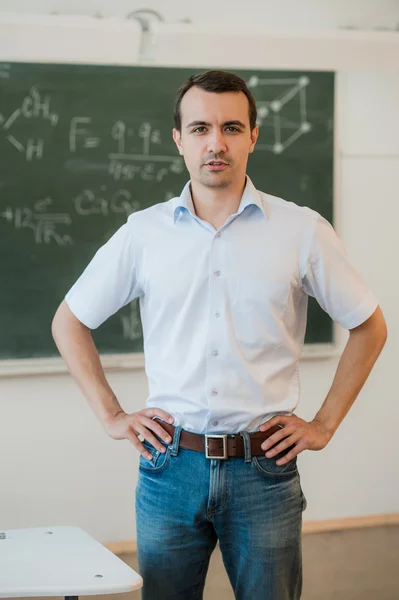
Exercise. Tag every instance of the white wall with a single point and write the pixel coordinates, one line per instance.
(357, 473)
(364, 14)
(57, 466)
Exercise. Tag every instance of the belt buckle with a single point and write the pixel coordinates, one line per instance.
(224, 438)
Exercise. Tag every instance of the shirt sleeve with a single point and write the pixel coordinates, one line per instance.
(109, 281)
(334, 282)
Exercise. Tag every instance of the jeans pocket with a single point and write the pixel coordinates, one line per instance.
(159, 460)
(268, 467)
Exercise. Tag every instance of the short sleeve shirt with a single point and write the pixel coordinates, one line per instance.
(223, 311)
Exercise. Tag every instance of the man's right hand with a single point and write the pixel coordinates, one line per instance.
(123, 426)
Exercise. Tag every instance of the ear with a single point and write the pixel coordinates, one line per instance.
(254, 137)
(177, 140)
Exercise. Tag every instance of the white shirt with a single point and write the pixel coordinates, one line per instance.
(223, 311)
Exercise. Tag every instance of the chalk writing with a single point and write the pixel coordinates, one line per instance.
(88, 202)
(124, 165)
(131, 324)
(120, 171)
(33, 106)
(4, 70)
(42, 224)
(271, 96)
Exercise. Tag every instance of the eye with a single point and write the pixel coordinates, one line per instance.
(197, 128)
(232, 127)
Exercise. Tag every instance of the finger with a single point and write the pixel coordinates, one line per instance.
(276, 437)
(150, 437)
(157, 428)
(290, 455)
(132, 437)
(286, 443)
(277, 420)
(158, 412)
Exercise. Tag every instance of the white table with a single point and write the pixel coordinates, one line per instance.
(60, 561)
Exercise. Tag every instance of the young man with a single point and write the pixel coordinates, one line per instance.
(223, 273)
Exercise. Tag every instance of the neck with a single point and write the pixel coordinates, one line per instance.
(215, 205)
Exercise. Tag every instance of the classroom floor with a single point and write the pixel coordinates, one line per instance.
(357, 564)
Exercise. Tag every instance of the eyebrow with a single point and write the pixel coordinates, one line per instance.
(227, 123)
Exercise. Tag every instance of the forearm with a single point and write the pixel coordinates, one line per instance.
(361, 352)
(76, 346)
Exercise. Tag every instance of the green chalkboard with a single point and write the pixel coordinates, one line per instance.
(83, 146)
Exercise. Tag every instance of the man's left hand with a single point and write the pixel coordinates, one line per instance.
(305, 435)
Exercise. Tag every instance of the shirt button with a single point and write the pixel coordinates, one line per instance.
(217, 314)
(215, 353)
(218, 234)
(215, 423)
(217, 273)
(214, 392)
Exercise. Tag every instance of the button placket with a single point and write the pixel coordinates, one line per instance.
(216, 269)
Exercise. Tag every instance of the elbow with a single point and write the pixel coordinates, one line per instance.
(380, 326)
(56, 322)
(384, 332)
(64, 320)
(375, 326)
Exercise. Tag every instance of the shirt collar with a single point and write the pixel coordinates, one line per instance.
(250, 196)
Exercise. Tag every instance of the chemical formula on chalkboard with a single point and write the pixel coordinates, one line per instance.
(33, 106)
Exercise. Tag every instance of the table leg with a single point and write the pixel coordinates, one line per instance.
(71, 597)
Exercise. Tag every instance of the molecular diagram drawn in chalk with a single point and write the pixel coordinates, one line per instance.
(274, 97)
(33, 106)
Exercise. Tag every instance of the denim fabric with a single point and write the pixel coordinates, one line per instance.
(186, 502)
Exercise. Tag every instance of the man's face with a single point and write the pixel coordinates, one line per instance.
(215, 127)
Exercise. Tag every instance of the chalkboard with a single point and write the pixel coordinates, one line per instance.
(83, 146)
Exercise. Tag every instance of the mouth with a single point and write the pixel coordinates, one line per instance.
(216, 165)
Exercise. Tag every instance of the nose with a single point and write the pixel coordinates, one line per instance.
(216, 142)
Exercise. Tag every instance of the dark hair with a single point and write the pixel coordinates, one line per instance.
(219, 82)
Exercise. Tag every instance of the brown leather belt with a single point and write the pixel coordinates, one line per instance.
(222, 446)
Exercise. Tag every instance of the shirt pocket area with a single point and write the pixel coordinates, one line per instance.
(258, 311)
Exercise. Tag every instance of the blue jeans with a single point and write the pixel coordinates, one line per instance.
(185, 502)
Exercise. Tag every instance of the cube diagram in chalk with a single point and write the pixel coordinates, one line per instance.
(282, 111)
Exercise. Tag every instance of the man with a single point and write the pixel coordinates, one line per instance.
(223, 273)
